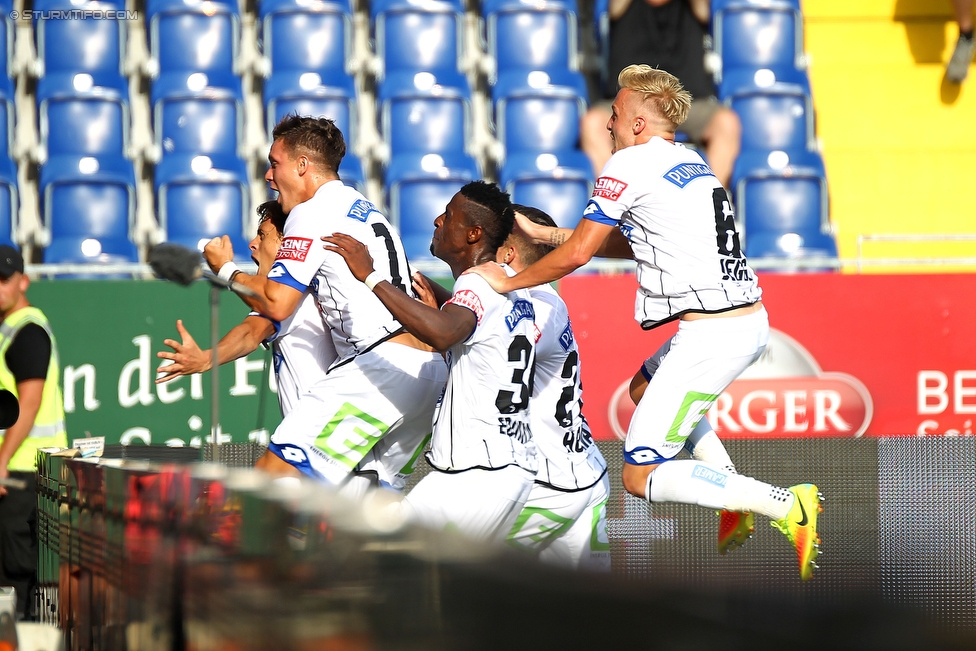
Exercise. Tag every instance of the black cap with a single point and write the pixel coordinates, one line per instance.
(10, 261)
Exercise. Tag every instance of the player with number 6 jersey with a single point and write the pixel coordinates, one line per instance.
(677, 221)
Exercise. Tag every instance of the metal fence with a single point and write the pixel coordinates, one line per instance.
(149, 552)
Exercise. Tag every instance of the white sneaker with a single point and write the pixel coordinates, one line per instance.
(958, 66)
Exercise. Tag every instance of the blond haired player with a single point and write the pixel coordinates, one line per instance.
(678, 220)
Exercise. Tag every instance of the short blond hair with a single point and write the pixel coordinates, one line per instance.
(659, 88)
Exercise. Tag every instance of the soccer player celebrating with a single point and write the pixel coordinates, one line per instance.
(565, 517)
(482, 453)
(384, 383)
(678, 220)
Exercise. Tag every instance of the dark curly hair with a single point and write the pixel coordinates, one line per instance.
(492, 211)
(271, 211)
(318, 138)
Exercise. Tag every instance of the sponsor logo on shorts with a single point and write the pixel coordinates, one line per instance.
(683, 174)
(361, 209)
(467, 298)
(521, 310)
(608, 188)
(709, 475)
(294, 248)
(566, 337)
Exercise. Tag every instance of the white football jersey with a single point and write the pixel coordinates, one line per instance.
(482, 420)
(569, 460)
(302, 352)
(358, 320)
(680, 224)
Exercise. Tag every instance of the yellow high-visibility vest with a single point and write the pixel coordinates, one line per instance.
(48, 430)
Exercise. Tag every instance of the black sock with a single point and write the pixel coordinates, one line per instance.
(968, 35)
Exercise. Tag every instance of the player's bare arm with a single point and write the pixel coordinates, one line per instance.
(440, 329)
(615, 246)
(188, 358)
(274, 300)
(588, 237)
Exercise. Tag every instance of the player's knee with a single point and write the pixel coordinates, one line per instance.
(635, 479)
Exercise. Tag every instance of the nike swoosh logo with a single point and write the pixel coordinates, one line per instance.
(803, 520)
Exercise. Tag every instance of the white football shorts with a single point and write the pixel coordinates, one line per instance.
(568, 529)
(706, 356)
(389, 391)
(481, 504)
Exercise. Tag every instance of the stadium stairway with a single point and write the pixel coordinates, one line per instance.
(899, 140)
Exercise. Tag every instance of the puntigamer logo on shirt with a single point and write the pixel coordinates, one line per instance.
(608, 188)
(294, 248)
(683, 174)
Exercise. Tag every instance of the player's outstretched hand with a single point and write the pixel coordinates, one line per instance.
(218, 251)
(186, 358)
(535, 233)
(492, 273)
(425, 291)
(352, 251)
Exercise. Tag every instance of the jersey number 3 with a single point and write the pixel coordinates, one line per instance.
(519, 353)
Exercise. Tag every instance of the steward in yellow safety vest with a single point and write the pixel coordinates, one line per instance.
(29, 369)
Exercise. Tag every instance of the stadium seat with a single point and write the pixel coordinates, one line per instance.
(528, 122)
(351, 172)
(420, 188)
(305, 37)
(774, 206)
(9, 201)
(558, 83)
(6, 125)
(410, 40)
(753, 163)
(76, 123)
(201, 197)
(775, 120)
(84, 197)
(751, 36)
(377, 7)
(521, 37)
(560, 184)
(6, 50)
(309, 94)
(794, 246)
(95, 46)
(204, 121)
(91, 250)
(418, 122)
(191, 38)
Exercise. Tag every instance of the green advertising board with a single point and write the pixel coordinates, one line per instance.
(108, 333)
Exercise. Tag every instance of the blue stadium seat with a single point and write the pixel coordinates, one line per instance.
(430, 39)
(775, 120)
(200, 37)
(560, 184)
(528, 122)
(420, 187)
(751, 36)
(351, 173)
(752, 163)
(309, 94)
(205, 121)
(6, 125)
(423, 122)
(201, 197)
(720, 5)
(558, 83)
(794, 246)
(9, 201)
(770, 207)
(306, 37)
(95, 46)
(6, 51)
(91, 250)
(87, 198)
(521, 37)
(377, 7)
(92, 123)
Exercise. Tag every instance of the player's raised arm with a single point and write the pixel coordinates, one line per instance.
(188, 358)
(588, 237)
(438, 328)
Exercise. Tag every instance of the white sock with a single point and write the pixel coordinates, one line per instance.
(705, 445)
(704, 484)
